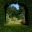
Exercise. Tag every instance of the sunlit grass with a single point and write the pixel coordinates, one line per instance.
(12, 21)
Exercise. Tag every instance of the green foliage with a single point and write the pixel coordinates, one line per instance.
(23, 28)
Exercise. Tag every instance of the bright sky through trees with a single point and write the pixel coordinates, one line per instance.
(15, 5)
